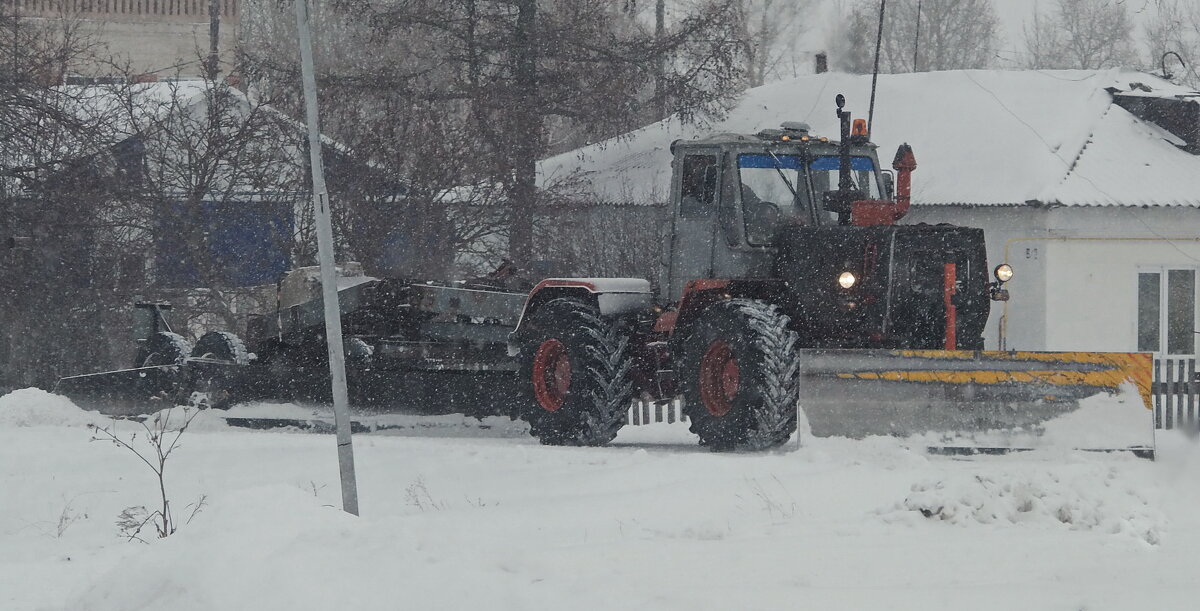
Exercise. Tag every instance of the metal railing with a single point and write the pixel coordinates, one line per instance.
(1175, 391)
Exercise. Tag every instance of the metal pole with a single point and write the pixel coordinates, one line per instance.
(333, 320)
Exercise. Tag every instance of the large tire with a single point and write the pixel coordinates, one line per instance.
(740, 374)
(222, 345)
(167, 351)
(163, 348)
(575, 375)
(213, 385)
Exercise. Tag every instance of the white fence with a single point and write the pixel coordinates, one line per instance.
(648, 412)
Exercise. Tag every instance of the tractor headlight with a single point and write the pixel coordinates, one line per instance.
(1003, 272)
(847, 280)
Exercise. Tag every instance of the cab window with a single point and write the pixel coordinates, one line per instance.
(825, 175)
(823, 171)
(772, 191)
(698, 191)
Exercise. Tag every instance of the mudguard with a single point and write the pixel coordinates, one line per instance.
(612, 296)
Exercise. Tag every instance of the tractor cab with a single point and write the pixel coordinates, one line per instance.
(736, 195)
(809, 223)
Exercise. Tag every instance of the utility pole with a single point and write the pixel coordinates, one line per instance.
(527, 125)
(214, 34)
(660, 64)
(324, 223)
(16, 25)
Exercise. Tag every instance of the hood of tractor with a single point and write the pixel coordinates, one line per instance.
(885, 286)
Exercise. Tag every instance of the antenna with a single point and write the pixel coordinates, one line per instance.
(875, 74)
(917, 38)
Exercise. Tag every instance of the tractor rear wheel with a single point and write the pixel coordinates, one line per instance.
(575, 375)
(740, 374)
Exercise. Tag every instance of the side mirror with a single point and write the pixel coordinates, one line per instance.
(889, 184)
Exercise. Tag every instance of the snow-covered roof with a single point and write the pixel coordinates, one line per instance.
(980, 138)
(129, 108)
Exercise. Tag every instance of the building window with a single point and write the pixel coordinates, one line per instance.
(1166, 316)
(1149, 313)
(1181, 311)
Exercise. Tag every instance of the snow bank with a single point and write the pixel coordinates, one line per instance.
(35, 407)
(1104, 422)
(1087, 497)
(654, 522)
(219, 559)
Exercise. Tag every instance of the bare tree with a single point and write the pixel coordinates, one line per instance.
(952, 34)
(1081, 34)
(407, 167)
(1175, 29)
(205, 185)
(56, 296)
(769, 33)
(506, 83)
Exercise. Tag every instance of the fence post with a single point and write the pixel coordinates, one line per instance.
(1168, 395)
(1191, 394)
(1157, 390)
(1181, 388)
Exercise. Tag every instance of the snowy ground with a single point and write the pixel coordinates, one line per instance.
(459, 516)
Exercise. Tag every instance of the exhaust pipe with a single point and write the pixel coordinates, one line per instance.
(872, 212)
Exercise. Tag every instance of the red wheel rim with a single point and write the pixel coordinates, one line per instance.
(719, 379)
(551, 374)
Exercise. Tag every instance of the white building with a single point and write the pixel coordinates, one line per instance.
(165, 37)
(1086, 182)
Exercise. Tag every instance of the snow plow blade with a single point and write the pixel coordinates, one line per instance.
(141, 390)
(124, 392)
(968, 402)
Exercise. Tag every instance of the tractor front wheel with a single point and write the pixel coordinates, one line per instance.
(740, 374)
(163, 348)
(575, 375)
(214, 383)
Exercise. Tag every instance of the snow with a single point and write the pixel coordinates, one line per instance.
(130, 108)
(1078, 497)
(492, 520)
(981, 137)
(35, 407)
(1100, 422)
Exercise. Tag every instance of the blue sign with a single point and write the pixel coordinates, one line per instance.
(783, 162)
(861, 164)
(247, 244)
